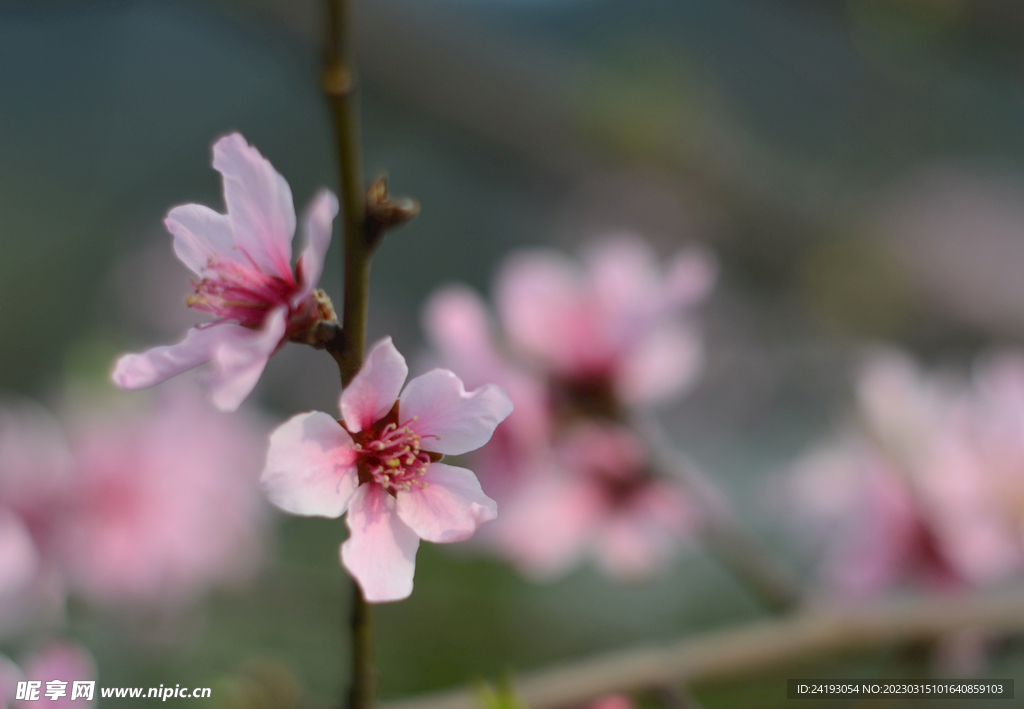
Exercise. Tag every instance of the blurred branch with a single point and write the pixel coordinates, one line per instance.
(745, 557)
(807, 636)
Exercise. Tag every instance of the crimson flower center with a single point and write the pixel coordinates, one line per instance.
(391, 456)
(240, 292)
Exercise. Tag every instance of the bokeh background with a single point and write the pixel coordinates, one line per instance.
(857, 167)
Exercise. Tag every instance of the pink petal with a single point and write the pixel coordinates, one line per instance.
(660, 366)
(201, 234)
(374, 390)
(537, 293)
(310, 466)
(259, 205)
(450, 508)
(317, 224)
(240, 357)
(456, 321)
(381, 551)
(546, 527)
(623, 273)
(452, 420)
(138, 371)
(19, 561)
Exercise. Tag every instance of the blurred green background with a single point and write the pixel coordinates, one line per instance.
(813, 145)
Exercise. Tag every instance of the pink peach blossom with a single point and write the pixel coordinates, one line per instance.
(877, 530)
(618, 321)
(595, 499)
(243, 261)
(380, 464)
(571, 486)
(35, 469)
(164, 502)
(144, 506)
(928, 489)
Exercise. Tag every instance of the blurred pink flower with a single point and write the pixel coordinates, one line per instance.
(877, 530)
(35, 470)
(247, 282)
(594, 498)
(616, 322)
(66, 662)
(583, 346)
(145, 507)
(164, 503)
(380, 464)
(930, 488)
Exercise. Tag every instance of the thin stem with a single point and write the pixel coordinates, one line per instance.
(362, 693)
(743, 555)
(339, 86)
(764, 646)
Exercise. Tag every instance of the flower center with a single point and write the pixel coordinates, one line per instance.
(391, 456)
(241, 293)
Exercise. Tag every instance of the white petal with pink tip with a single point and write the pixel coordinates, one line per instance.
(240, 357)
(451, 420)
(138, 371)
(200, 235)
(450, 508)
(381, 551)
(259, 204)
(310, 466)
(317, 224)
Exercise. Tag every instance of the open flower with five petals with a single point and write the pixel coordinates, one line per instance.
(380, 463)
(246, 280)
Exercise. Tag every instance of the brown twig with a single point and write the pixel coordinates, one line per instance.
(810, 635)
(367, 213)
(339, 86)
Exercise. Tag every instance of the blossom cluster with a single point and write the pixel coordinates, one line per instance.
(578, 347)
(584, 347)
(380, 462)
(125, 505)
(926, 487)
